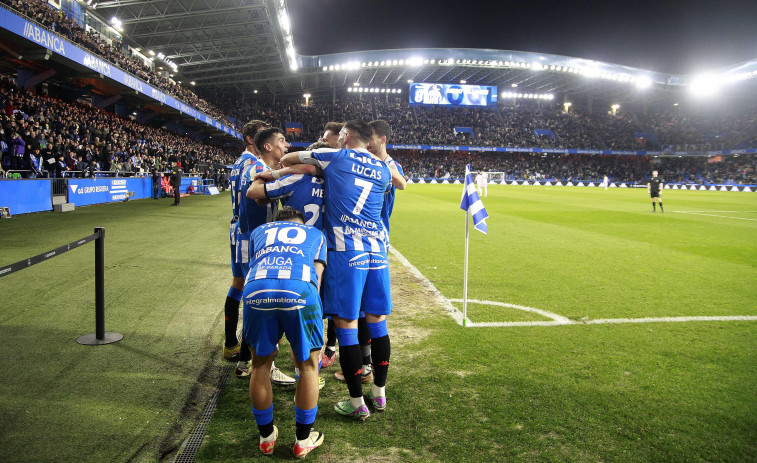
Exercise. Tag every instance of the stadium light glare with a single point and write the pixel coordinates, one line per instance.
(463, 81)
(410, 81)
(255, 91)
(643, 82)
(325, 68)
(399, 90)
(286, 25)
(704, 85)
(514, 85)
(161, 55)
(151, 52)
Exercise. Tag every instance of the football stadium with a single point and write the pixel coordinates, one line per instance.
(571, 273)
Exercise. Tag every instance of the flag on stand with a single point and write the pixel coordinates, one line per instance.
(472, 203)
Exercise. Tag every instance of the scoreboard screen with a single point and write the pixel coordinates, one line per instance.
(453, 94)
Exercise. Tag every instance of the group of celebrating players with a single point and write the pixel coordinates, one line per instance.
(323, 253)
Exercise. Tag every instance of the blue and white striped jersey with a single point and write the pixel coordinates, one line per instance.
(355, 182)
(302, 192)
(391, 190)
(239, 165)
(286, 251)
(250, 214)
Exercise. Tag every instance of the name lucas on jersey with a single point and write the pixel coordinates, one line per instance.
(364, 170)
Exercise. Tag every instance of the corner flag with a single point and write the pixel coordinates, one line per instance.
(472, 204)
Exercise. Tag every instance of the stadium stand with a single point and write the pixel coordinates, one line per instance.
(86, 139)
(114, 52)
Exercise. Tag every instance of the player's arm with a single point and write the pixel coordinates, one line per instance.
(293, 158)
(398, 180)
(319, 266)
(307, 169)
(256, 191)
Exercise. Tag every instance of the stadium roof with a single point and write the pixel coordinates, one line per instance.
(229, 47)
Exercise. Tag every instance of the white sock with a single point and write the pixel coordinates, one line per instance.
(357, 402)
(378, 391)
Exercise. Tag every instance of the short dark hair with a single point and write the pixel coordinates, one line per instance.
(381, 128)
(335, 127)
(252, 127)
(361, 129)
(318, 144)
(263, 136)
(288, 213)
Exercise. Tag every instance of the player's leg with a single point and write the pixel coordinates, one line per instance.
(659, 200)
(364, 339)
(329, 354)
(231, 344)
(306, 406)
(343, 287)
(261, 328)
(377, 301)
(304, 330)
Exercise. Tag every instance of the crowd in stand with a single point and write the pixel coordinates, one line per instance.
(49, 137)
(517, 125)
(57, 21)
(580, 167)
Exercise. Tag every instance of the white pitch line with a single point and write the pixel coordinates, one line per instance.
(557, 320)
(454, 313)
(714, 215)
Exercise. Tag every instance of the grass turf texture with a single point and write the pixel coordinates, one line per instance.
(635, 392)
(165, 272)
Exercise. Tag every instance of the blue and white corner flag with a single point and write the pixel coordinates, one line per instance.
(472, 204)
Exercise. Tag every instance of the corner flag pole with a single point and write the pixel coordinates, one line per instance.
(472, 205)
(465, 272)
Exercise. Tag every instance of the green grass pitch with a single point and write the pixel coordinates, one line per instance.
(664, 391)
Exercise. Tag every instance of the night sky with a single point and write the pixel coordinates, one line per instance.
(677, 37)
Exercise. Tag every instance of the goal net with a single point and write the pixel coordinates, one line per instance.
(491, 177)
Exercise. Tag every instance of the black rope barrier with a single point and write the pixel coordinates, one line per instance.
(100, 336)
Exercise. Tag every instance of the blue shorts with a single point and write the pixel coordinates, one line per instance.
(355, 281)
(244, 248)
(236, 267)
(275, 307)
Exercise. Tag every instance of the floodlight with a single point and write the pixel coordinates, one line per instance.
(463, 81)
(704, 85)
(643, 82)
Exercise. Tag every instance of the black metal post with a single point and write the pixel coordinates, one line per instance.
(100, 337)
(100, 284)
